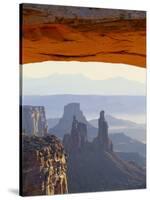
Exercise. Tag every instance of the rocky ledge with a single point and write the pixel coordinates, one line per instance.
(44, 166)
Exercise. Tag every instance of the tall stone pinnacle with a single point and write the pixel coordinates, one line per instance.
(102, 127)
(103, 132)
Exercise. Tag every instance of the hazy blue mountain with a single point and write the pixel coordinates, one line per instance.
(130, 128)
(138, 133)
(80, 84)
(52, 122)
(115, 122)
(123, 143)
(90, 104)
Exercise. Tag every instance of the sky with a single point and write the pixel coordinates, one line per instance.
(92, 70)
(83, 78)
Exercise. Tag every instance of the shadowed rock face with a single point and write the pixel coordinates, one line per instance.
(78, 137)
(44, 166)
(93, 166)
(64, 125)
(103, 133)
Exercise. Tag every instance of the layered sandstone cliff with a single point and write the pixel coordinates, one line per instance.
(101, 35)
(44, 166)
(34, 120)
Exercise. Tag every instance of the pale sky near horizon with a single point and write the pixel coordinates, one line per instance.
(92, 70)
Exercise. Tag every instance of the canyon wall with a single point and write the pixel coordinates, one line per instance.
(44, 166)
(34, 120)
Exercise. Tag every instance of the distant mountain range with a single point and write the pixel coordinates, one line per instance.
(80, 84)
(115, 122)
(130, 128)
(124, 143)
(112, 121)
(90, 104)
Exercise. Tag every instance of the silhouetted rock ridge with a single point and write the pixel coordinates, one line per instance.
(93, 166)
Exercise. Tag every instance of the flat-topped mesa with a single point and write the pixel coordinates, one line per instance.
(73, 109)
(64, 125)
(44, 166)
(34, 120)
(103, 133)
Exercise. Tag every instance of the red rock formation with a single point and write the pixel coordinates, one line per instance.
(116, 40)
